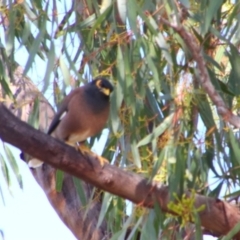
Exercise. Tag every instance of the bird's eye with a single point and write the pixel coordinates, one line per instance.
(104, 86)
(99, 84)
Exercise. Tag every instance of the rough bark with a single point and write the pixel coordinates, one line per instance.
(218, 217)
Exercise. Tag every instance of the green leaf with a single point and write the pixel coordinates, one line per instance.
(13, 165)
(125, 227)
(59, 180)
(34, 49)
(100, 20)
(50, 66)
(117, 96)
(210, 12)
(4, 81)
(148, 230)
(136, 155)
(135, 228)
(198, 228)
(65, 71)
(235, 194)
(33, 119)
(157, 131)
(205, 112)
(158, 163)
(235, 146)
(233, 82)
(185, 3)
(152, 68)
(105, 205)
(233, 232)
(80, 191)
(160, 40)
(154, 104)
(213, 62)
(4, 170)
(132, 16)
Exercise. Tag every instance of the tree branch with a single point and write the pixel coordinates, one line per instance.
(218, 217)
(204, 78)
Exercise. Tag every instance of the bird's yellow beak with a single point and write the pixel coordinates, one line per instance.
(106, 91)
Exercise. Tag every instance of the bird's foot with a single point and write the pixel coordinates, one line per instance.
(101, 160)
(85, 150)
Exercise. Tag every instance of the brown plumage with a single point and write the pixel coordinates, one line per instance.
(82, 114)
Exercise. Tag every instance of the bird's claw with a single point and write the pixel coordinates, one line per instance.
(102, 160)
(85, 150)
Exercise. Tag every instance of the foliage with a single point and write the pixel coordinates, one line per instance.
(184, 207)
(163, 125)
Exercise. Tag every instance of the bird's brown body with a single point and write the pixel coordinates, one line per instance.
(79, 124)
(82, 114)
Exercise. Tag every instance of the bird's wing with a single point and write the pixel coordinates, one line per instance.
(57, 119)
(62, 111)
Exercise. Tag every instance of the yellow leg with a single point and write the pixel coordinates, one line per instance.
(102, 160)
(85, 150)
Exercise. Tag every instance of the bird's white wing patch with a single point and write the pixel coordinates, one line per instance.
(62, 115)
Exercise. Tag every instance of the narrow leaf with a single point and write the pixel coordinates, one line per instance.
(59, 180)
(105, 205)
(157, 131)
(13, 165)
(80, 190)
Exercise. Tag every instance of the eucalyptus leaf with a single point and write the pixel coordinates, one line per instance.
(157, 131)
(59, 180)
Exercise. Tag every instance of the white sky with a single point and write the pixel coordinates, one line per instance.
(27, 214)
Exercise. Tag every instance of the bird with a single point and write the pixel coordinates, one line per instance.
(82, 114)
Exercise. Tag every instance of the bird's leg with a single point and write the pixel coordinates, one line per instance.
(85, 150)
(81, 147)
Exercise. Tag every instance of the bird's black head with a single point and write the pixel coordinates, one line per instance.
(103, 85)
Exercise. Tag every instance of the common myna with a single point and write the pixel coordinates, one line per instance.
(82, 114)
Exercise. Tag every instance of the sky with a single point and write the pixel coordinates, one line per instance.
(27, 214)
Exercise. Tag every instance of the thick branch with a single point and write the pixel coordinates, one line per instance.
(218, 216)
(204, 78)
